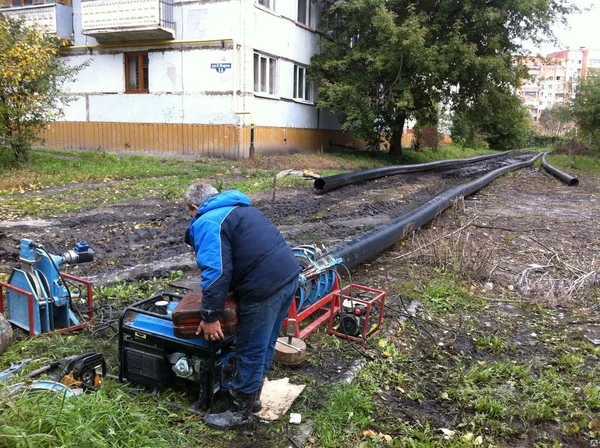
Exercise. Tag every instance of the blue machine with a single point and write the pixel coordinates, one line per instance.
(152, 355)
(39, 275)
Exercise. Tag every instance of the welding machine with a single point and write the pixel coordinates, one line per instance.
(38, 297)
(152, 354)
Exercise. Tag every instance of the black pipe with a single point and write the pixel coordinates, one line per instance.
(566, 178)
(326, 184)
(362, 248)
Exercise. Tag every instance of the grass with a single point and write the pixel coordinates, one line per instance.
(106, 418)
(348, 410)
(445, 152)
(566, 162)
(97, 178)
(49, 168)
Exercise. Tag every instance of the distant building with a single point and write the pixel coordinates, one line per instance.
(187, 76)
(554, 79)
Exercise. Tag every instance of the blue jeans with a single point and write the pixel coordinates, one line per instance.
(259, 324)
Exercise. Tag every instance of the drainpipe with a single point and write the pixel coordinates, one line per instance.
(561, 175)
(251, 150)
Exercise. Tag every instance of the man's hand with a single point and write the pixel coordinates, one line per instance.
(212, 330)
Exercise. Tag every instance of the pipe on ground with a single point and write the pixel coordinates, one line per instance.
(561, 175)
(329, 183)
(362, 248)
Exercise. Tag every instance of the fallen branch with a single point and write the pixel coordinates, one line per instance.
(482, 226)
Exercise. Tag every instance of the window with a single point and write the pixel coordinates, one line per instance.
(267, 3)
(304, 11)
(265, 74)
(136, 72)
(302, 87)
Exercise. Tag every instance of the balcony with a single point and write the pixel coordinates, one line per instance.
(114, 21)
(55, 18)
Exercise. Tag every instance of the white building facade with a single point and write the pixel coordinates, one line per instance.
(207, 77)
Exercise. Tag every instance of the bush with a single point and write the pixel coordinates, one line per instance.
(542, 141)
(574, 146)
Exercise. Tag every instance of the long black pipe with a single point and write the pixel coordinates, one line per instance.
(362, 248)
(566, 178)
(326, 184)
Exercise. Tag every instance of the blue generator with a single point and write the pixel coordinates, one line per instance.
(151, 354)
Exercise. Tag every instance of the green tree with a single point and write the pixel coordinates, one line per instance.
(31, 78)
(556, 119)
(586, 109)
(385, 61)
(497, 119)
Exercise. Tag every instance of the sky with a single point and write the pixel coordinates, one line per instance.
(583, 30)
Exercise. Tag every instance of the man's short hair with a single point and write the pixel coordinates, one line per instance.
(198, 192)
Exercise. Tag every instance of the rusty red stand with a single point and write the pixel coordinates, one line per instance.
(324, 306)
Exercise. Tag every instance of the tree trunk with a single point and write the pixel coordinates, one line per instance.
(396, 140)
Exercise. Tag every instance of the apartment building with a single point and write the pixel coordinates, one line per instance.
(204, 77)
(554, 79)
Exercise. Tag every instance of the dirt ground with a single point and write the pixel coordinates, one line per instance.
(142, 238)
(525, 234)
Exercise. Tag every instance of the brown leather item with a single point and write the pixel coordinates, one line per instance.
(186, 316)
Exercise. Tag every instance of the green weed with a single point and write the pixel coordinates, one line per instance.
(444, 295)
(346, 413)
(495, 344)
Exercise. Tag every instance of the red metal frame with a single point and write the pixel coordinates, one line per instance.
(29, 303)
(327, 305)
(346, 294)
(30, 299)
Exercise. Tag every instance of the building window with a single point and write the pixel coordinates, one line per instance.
(267, 4)
(304, 11)
(136, 72)
(265, 74)
(302, 87)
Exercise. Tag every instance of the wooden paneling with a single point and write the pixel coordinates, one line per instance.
(227, 141)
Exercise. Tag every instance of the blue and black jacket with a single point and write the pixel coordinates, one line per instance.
(238, 249)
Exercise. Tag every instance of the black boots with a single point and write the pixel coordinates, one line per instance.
(239, 416)
(257, 406)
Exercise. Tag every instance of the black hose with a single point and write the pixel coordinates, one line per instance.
(362, 248)
(566, 178)
(329, 183)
